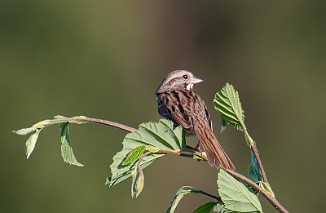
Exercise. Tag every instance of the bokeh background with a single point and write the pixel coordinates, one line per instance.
(105, 59)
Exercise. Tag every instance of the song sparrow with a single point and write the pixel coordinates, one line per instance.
(177, 102)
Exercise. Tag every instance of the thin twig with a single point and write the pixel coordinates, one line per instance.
(210, 195)
(169, 152)
(217, 198)
(139, 162)
(255, 151)
(260, 164)
(190, 153)
(106, 122)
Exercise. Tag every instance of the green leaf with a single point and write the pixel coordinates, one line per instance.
(254, 170)
(31, 142)
(133, 155)
(66, 148)
(179, 195)
(206, 208)
(235, 195)
(160, 134)
(227, 102)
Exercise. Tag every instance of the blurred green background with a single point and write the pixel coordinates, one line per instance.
(105, 59)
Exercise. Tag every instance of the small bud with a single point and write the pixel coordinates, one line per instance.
(267, 188)
(25, 131)
(139, 185)
(137, 181)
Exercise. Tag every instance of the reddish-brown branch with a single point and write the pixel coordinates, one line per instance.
(255, 151)
(260, 164)
(107, 123)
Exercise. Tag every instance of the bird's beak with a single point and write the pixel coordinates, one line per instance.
(196, 80)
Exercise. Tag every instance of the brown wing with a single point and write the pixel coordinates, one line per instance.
(170, 107)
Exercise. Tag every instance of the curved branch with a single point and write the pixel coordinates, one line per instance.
(191, 154)
(105, 122)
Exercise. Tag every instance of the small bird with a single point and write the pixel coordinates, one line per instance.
(177, 102)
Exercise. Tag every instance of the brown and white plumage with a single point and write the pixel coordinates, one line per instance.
(177, 101)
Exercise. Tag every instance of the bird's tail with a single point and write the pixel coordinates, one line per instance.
(216, 156)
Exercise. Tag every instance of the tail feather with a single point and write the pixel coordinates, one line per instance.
(216, 156)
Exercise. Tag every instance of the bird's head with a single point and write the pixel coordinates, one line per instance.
(178, 79)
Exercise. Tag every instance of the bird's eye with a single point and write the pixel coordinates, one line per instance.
(185, 76)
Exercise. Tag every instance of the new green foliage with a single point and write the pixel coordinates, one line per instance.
(227, 102)
(66, 148)
(133, 155)
(161, 135)
(31, 142)
(235, 195)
